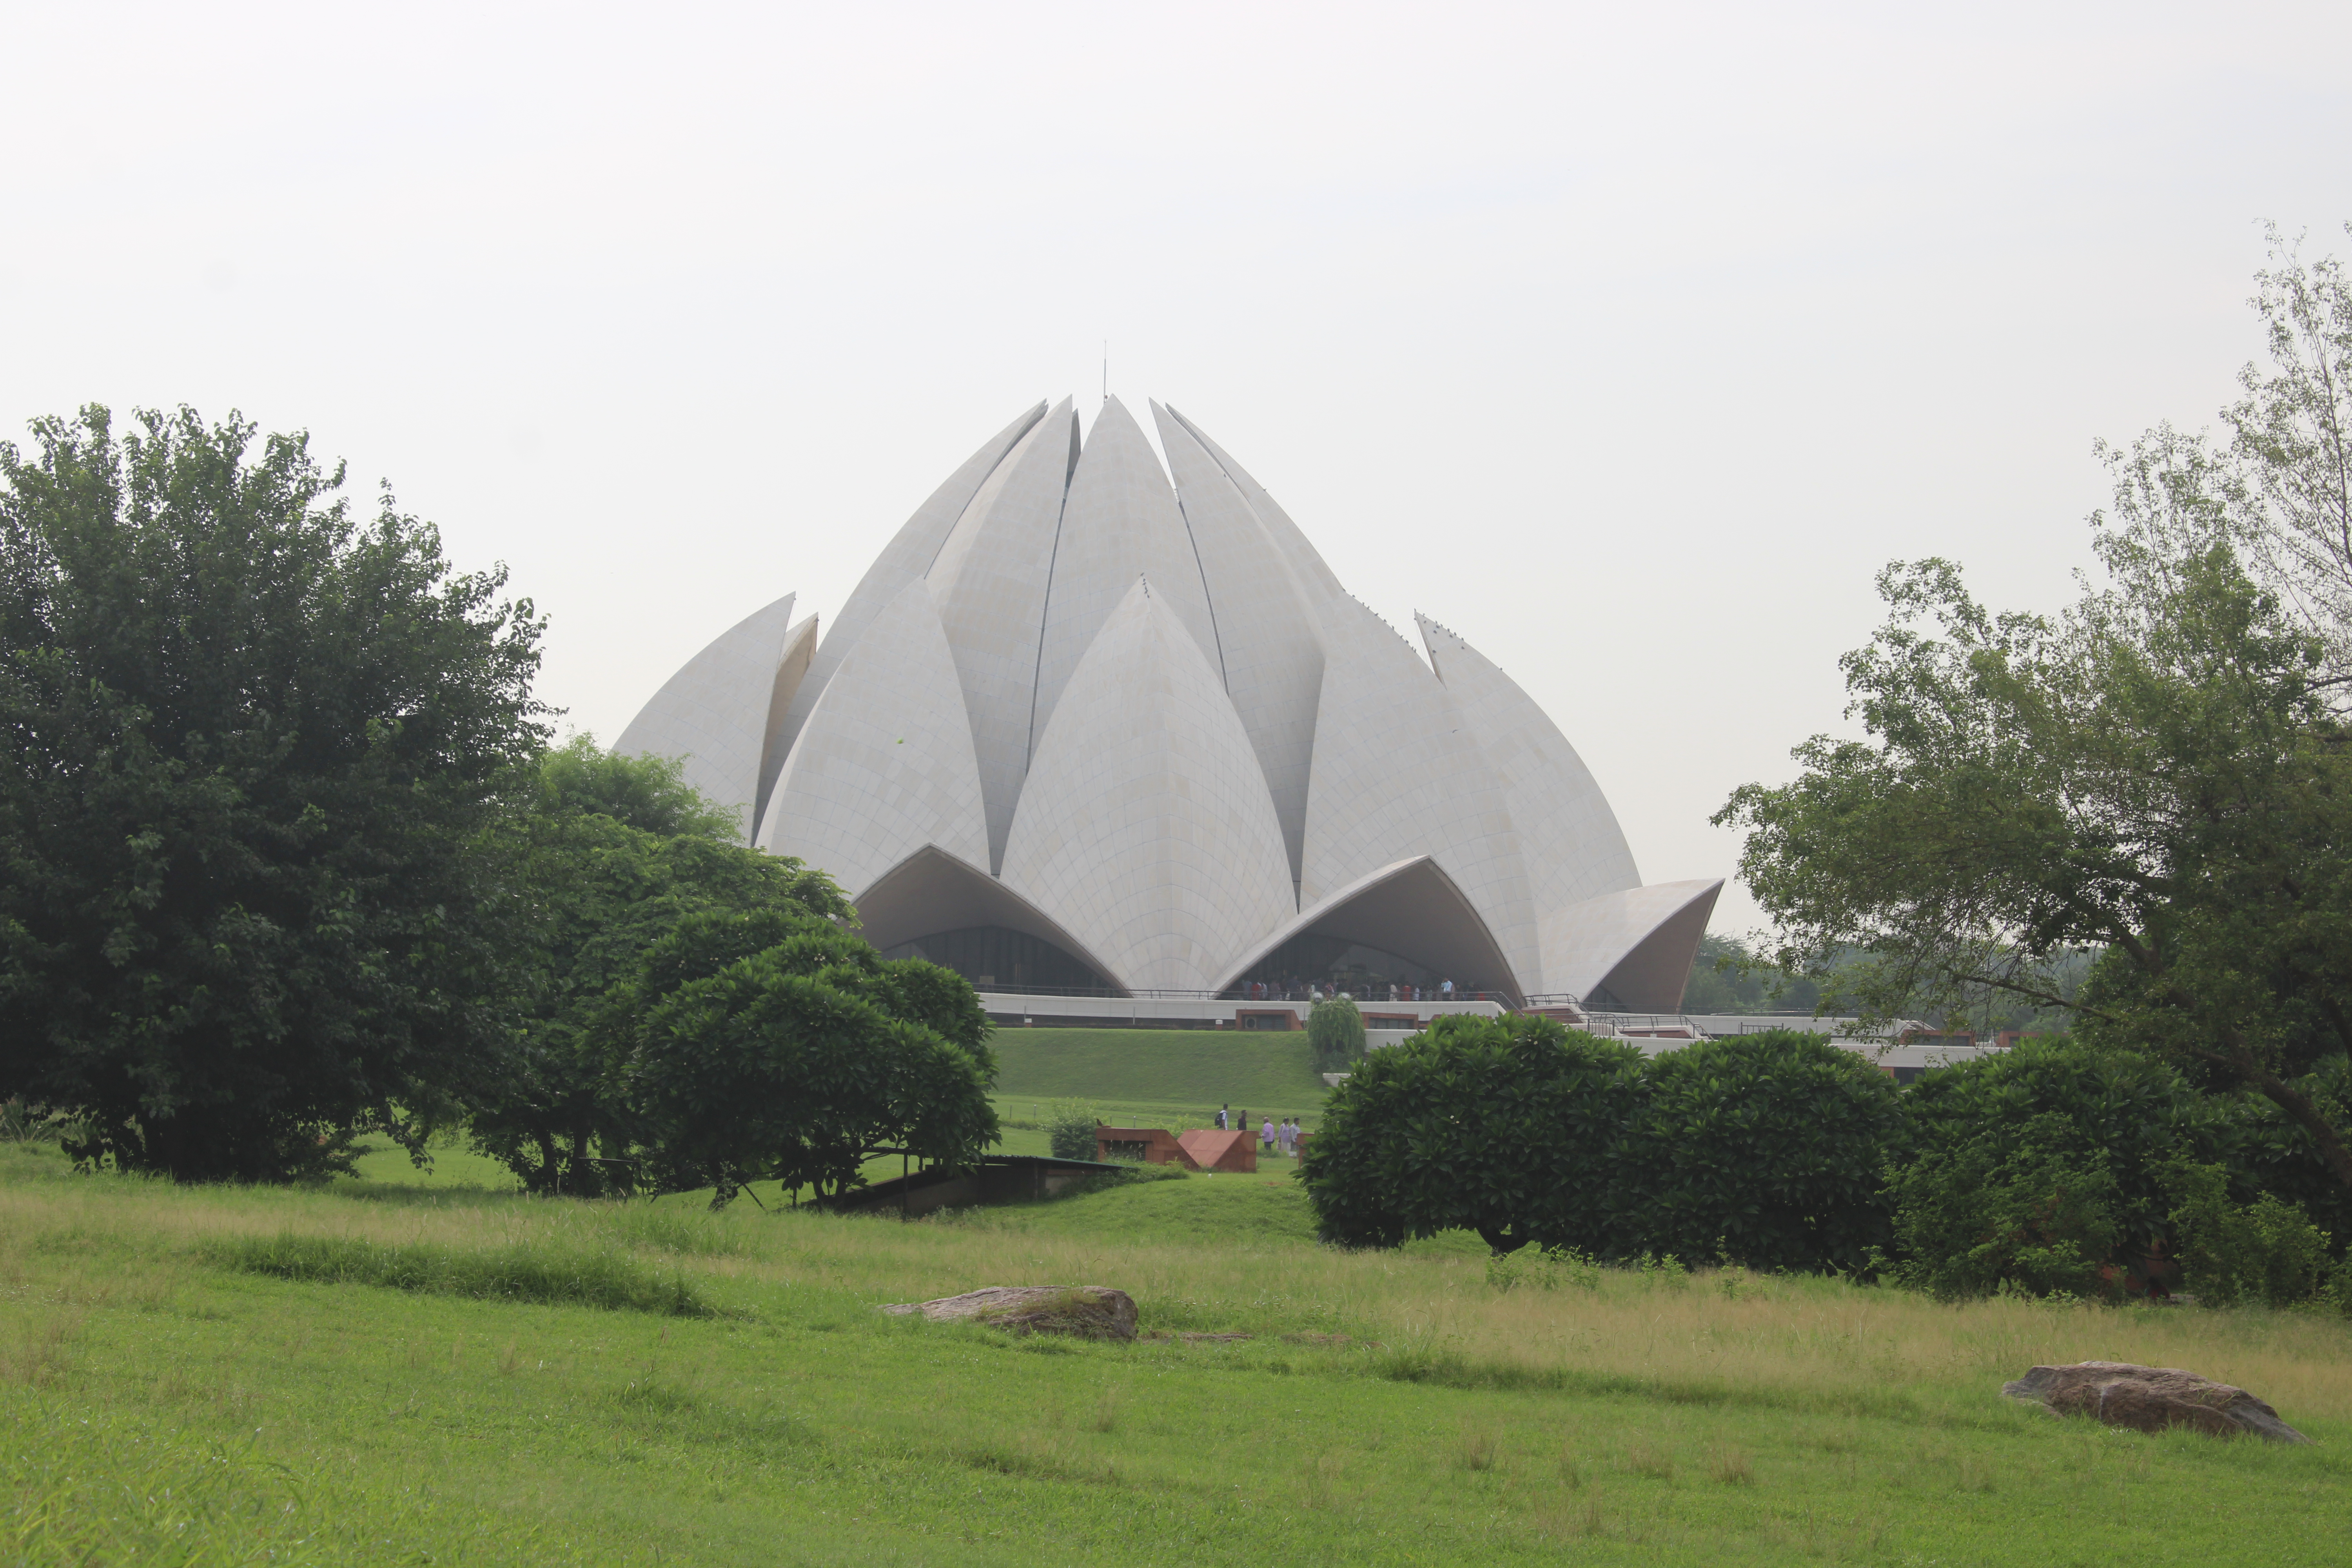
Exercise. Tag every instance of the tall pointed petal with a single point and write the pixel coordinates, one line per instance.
(1315, 576)
(1398, 774)
(885, 764)
(713, 713)
(1272, 655)
(989, 583)
(1144, 828)
(1120, 523)
(907, 557)
(1573, 848)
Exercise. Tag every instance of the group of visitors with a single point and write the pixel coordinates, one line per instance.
(1296, 990)
(1273, 1138)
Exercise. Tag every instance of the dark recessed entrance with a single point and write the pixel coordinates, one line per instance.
(996, 958)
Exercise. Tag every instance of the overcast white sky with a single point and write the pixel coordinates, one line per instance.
(1628, 345)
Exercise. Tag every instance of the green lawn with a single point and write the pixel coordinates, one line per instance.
(158, 1404)
(1166, 1072)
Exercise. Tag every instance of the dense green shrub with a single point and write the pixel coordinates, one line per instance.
(1766, 1150)
(2266, 1253)
(1335, 1032)
(1070, 1128)
(1509, 1127)
(2007, 1207)
(2043, 1169)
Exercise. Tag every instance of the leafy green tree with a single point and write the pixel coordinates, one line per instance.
(254, 748)
(1509, 1127)
(2156, 774)
(2161, 775)
(1335, 1033)
(770, 1046)
(1767, 1150)
(613, 854)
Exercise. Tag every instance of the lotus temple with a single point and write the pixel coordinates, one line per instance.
(1110, 739)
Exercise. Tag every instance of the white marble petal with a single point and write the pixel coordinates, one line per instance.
(714, 712)
(989, 583)
(885, 765)
(1635, 945)
(1145, 830)
(1273, 654)
(1569, 837)
(1120, 523)
(1398, 774)
(907, 557)
(1315, 576)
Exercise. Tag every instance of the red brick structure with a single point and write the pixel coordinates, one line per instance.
(1152, 1145)
(1211, 1150)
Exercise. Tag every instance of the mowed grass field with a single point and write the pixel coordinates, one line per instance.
(1175, 1078)
(159, 1401)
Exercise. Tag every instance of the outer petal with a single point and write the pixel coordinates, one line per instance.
(1144, 828)
(907, 557)
(885, 763)
(1630, 950)
(717, 711)
(1411, 909)
(1272, 655)
(1573, 848)
(931, 891)
(1120, 523)
(990, 583)
(1398, 774)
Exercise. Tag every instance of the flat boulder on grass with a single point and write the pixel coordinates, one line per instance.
(1087, 1311)
(2151, 1399)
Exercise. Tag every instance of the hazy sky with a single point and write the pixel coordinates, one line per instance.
(1628, 345)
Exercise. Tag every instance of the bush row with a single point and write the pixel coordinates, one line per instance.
(2049, 1168)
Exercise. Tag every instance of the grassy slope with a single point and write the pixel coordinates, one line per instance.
(154, 1406)
(1153, 1077)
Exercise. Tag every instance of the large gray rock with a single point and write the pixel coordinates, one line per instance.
(2151, 1399)
(1088, 1311)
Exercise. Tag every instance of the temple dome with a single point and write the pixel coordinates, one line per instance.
(1084, 725)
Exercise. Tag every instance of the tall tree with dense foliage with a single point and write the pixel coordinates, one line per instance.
(2161, 773)
(252, 745)
(611, 853)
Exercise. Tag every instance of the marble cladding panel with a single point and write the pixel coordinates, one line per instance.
(885, 763)
(1568, 838)
(990, 582)
(713, 713)
(1587, 942)
(1397, 774)
(906, 558)
(1145, 828)
(1273, 654)
(1120, 523)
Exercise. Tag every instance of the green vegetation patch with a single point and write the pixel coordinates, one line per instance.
(543, 1275)
(1260, 1071)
